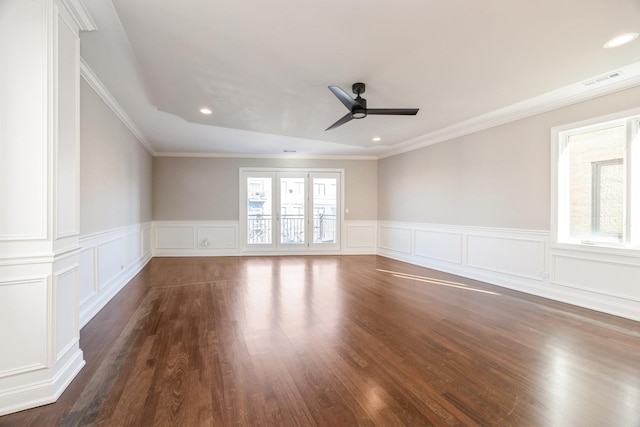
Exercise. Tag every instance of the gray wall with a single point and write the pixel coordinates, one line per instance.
(499, 177)
(115, 169)
(207, 188)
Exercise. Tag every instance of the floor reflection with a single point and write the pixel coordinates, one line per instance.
(572, 387)
(437, 281)
(291, 296)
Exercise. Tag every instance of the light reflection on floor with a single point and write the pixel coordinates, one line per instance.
(436, 281)
(566, 391)
(291, 295)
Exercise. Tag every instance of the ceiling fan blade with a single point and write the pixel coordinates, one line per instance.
(344, 97)
(393, 111)
(347, 117)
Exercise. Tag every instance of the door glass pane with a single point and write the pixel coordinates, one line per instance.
(292, 208)
(325, 210)
(259, 211)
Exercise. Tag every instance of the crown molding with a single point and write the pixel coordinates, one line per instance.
(80, 15)
(290, 156)
(568, 95)
(90, 77)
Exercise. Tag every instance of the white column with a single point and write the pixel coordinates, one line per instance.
(39, 200)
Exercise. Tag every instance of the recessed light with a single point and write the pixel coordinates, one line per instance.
(620, 40)
(376, 139)
(205, 111)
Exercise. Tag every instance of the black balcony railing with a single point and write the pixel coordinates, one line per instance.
(324, 228)
(292, 229)
(259, 229)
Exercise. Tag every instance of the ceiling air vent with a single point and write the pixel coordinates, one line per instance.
(605, 78)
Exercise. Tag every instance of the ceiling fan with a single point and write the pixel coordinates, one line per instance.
(358, 106)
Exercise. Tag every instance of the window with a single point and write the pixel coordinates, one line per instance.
(607, 199)
(290, 209)
(597, 182)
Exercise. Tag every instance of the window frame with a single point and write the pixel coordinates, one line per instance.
(275, 247)
(559, 189)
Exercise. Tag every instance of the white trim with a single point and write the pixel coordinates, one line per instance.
(533, 275)
(92, 305)
(602, 303)
(541, 285)
(81, 16)
(558, 134)
(112, 233)
(562, 97)
(273, 172)
(74, 270)
(226, 248)
(194, 231)
(102, 293)
(94, 82)
(43, 283)
(540, 243)
(456, 236)
(56, 190)
(555, 281)
(26, 260)
(266, 156)
(385, 244)
(553, 100)
(451, 228)
(43, 388)
(359, 237)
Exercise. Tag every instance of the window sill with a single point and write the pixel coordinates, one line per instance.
(598, 248)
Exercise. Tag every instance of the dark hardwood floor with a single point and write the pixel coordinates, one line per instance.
(341, 341)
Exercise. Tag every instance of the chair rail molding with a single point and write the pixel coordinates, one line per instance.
(522, 260)
(222, 238)
(40, 193)
(108, 261)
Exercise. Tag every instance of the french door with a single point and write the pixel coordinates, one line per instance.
(290, 210)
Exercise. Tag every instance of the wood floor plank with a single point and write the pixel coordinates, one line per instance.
(343, 340)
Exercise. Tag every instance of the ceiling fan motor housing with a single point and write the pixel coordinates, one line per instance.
(359, 111)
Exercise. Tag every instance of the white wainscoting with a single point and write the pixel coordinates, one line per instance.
(395, 239)
(438, 245)
(522, 260)
(359, 237)
(23, 304)
(195, 238)
(515, 256)
(606, 282)
(221, 238)
(108, 261)
(67, 331)
(38, 308)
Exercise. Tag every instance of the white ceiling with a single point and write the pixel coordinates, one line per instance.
(263, 67)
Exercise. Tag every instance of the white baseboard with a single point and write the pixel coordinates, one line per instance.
(42, 387)
(108, 261)
(359, 237)
(522, 260)
(195, 238)
(220, 238)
